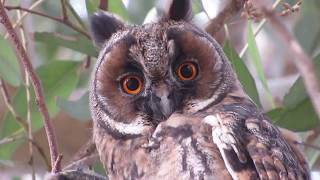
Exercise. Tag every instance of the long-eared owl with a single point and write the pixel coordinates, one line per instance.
(167, 104)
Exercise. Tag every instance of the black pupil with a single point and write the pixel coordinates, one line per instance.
(132, 84)
(187, 71)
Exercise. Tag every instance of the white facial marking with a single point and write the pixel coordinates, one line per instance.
(134, 128)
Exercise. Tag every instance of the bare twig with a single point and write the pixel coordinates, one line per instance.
(12, 138)
(8, 103)
(260, 25)
(57, 164)
(307, 145)
(18, 22)
(85, 156)
(86, 150)
(42, 153)
(27, 86)
(57, 19)
(40, 99)
(64, 10)
(75, 15)
(301, 59)
(288, 9)
(83, 162)
(229, 11)
(103, 5)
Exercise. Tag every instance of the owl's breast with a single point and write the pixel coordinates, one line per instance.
(180, 155)
(192, 157)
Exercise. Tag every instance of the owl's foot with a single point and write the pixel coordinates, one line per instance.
(224, 137)
(152, 144)
(155, 139)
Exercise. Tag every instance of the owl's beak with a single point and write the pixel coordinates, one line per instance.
(163, 106)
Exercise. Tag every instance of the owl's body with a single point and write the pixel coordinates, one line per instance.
(186, 153)
(166, 104)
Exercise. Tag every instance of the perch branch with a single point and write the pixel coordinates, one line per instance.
(40, 98)
(302, 61)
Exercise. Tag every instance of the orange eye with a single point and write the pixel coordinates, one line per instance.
(132, 84)
(187, 71)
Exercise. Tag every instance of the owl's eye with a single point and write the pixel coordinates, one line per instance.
(187, 71)
(132, 84)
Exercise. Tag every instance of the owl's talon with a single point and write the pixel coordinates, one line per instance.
(154, 143)
(227, 139)
(281, 169)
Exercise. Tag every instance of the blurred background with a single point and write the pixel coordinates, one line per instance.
(63, 55)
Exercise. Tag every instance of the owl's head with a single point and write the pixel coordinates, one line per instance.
(145, 73)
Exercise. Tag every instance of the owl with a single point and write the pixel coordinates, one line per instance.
(166, 104)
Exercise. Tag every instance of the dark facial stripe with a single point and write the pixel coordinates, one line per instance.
(184, 158)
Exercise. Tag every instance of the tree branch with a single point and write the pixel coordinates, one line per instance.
(8, 103)
(60, 20)
(229, 11)
(302, 61)
(40, 98)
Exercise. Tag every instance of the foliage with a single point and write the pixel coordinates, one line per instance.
(61, 78)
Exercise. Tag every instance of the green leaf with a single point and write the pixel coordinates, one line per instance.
(254, 53)
(76, 42)
(300, 118)
(9, 66)
(98, 168)
(78, 109)
(196, 7)
(117, 7)
(92, 6)
(297, 92)
(242, 72)
(59, 78)
(298, 113)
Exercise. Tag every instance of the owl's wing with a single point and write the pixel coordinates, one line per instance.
(239, 128)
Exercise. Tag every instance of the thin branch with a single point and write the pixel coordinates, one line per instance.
(57, 19)
(229, 11)
(8, 103)
(260, 25)
(75, 15)
(64, 10)
(307, 145)
(18, 22)
(85, 156)
(40, 98)
(86, 161)
(42, 153)
(302, 61)
(12, 138)
(57, 164)
(27, 86)
(103, 5)
(21, 122)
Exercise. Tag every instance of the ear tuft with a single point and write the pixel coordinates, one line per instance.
(179, 10)
(103, 25)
